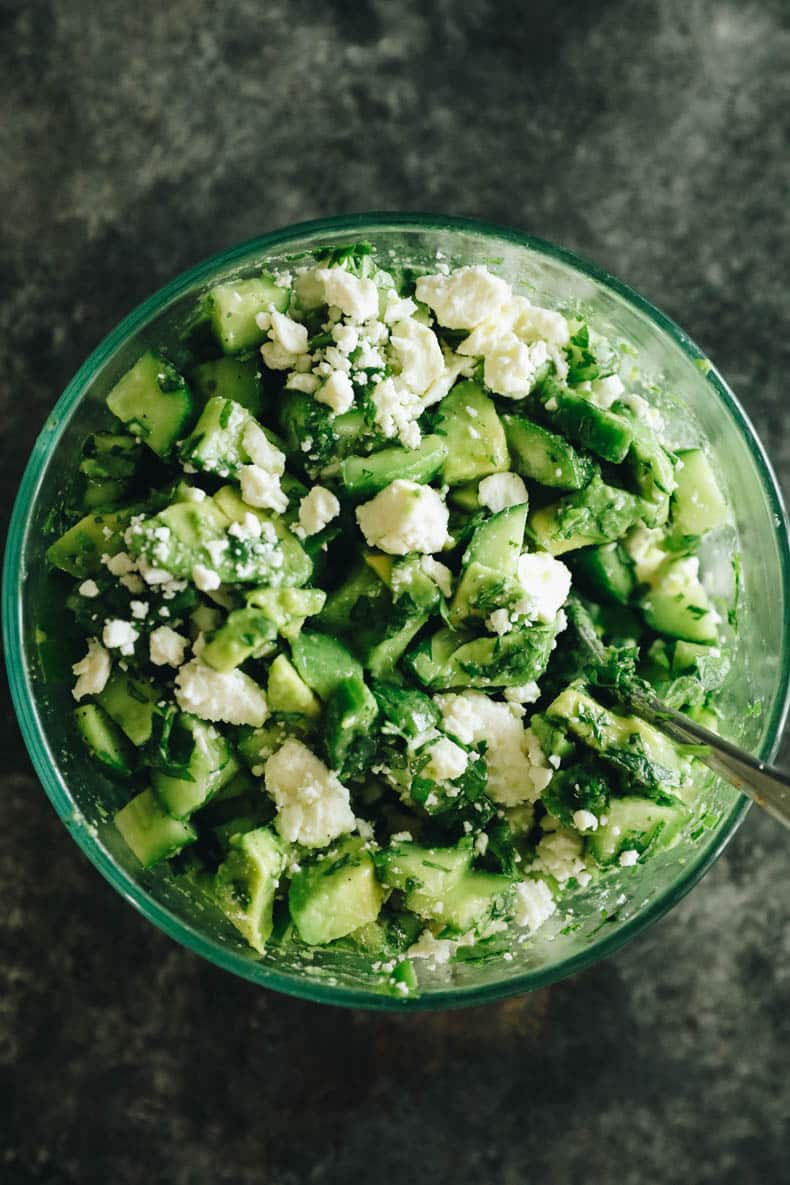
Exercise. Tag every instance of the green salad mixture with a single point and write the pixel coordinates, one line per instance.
(329, 555)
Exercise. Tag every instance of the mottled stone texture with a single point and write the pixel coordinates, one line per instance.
(138, 137)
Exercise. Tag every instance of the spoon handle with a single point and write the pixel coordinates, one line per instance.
(766, 785)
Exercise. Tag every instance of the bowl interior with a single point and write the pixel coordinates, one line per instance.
(696, 403)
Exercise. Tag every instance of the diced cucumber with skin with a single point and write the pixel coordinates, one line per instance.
(544, 456)
(150, 832)
(604, 433)
(611, 734)
(286, 691)
(453, 659)
(245, 633)
(480, 591)
(490, 560)
(246, 882)
(324, 663)
(381, 647)
(698, 504)
(652, 471)
(677, 603)
(362, 582)
(335, 895)
(439, 885)
(553, 740)
(105, 739)
(351, 711)
(473, 432)
(365, 476)
(202, 762)
(597, 514)
(215, 444)
(465, 496)
(155, 403)
(79, 550)
(635, 824)
(606, 572)
(233, 308)
(132, 704)
(238, 379)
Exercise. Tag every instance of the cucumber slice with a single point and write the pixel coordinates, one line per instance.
(246, 882)
(233, 307)
(651, 470)
(286, 691)
(237, 379)
(544, 456)
(105, 740)
(678, 605)
(335, 895)
(365, 476)
(451, 659)
(636, 824)
(154, 402)
(201, 763)
(131, 703)
(606, 572)
(604, 433)
(597, 514)
(151, 833)
(475, 438)
(698, 504)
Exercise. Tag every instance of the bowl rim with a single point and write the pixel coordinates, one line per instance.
(35, 738)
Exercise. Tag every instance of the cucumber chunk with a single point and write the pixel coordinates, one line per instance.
(200, 762)
(154, 402)
(453, 659)
(216, 443)
(105, 739)
(545, 457)
(597, 514)
(324, 663)
(237, 379)
(677, 603)
(365, 476)
(233, 307)
(246, 882)
(336, 895)
(698, 504)
(79, 550)
(606, 572)
(636, 824)
(132, 704)
(604, 433)
(152, 834)
(475, 438)
(490, 564)
(245, 633)
(351, 712)
(287, 608)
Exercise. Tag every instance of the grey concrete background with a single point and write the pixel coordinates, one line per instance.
(138, 137)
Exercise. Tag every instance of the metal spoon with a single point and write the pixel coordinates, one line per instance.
(768, 786)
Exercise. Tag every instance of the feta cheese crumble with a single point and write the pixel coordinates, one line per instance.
(229, 697)
(316, 510)
(120, 635)
(446, 760)
(534, 904)
(166, 647)
(404, 517)
(313, 805)
(93, 671)
(500, 490)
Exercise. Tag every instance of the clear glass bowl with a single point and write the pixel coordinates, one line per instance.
(594, 922)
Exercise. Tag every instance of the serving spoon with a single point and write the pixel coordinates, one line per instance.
(766, 785)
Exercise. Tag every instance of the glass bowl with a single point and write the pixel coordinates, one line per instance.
(591, 923)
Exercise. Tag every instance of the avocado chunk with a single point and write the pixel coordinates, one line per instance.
(150, 832)
(246, 882)
(336, 894)
(475, 438)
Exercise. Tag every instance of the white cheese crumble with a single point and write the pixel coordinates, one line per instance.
(404, 517)
(229, 697)
(604, 392)
(447, 760)
(261, 489)
(585, 821)
(534, 904)
(500, 490)
(250, 527)
(289, 334)
(120, 635)
(560, 854)
(419, 354)
(317, 509)
(439, 573)
(139, 609)
(120, 564)
(93, 671)
(511, 368)
(628, 858)
(357, 298)
(346, 337)
(166, 647)
(307, 383)
(465, 297)
(523, 693)
(205, 578)
(534, 323)
(337, 392)
(313, 805)
(517, 771)
(546, 583)
(260, 449)
(88, 588)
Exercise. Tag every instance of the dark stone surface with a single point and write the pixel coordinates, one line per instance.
(138, 137)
